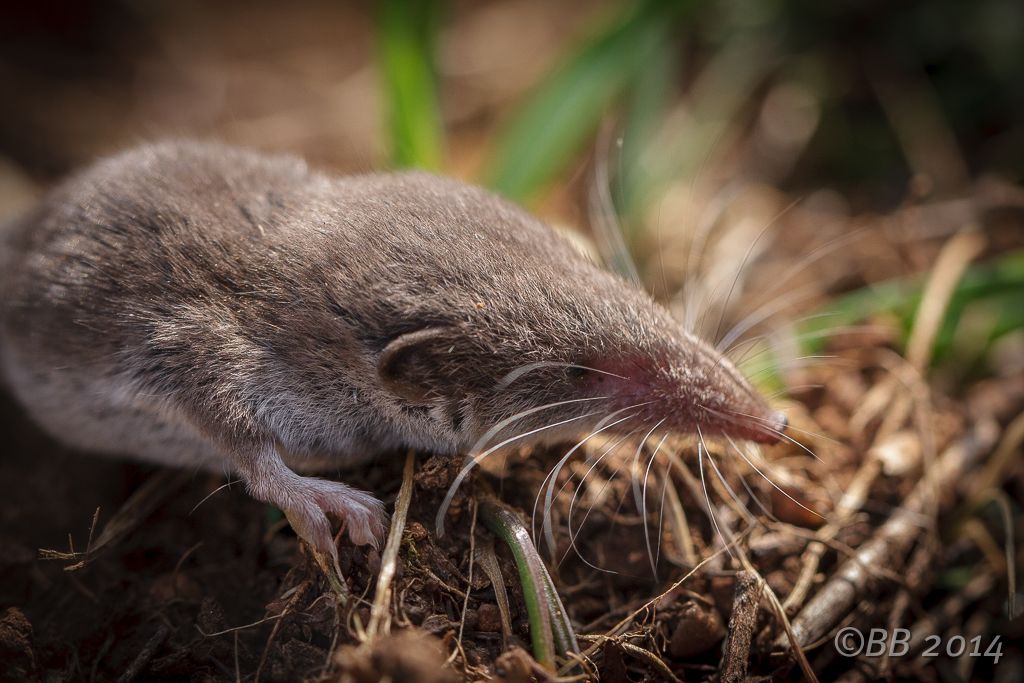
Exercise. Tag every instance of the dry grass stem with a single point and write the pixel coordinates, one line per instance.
(380, 612)
(848, 584)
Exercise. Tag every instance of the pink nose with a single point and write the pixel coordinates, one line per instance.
(769, 430)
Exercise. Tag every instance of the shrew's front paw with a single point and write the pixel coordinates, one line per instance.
(309, 504)
(361, 514)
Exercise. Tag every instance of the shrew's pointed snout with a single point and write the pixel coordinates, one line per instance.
(770, 430)
(690, 389)
(767, 430)
(731, 405)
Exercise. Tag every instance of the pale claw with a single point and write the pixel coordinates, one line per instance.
(308, 502)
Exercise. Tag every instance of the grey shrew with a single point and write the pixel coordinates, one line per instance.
(194, 304)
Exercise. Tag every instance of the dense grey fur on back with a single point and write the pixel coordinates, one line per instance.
(195, 303)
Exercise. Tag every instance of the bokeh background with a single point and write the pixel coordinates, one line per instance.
(677, 124)
(753, 163)
(855, 96)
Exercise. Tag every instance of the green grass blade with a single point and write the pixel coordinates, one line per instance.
(565, 110)
(1000, 282)
(407, 35)
(551, 631)
(996, 287)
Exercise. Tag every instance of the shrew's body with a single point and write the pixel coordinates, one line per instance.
(191, 303)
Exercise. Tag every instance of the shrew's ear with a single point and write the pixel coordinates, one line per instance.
(410, 365)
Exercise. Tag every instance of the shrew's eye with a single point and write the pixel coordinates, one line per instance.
(576, 372)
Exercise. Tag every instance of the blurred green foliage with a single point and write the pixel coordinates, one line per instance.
(968, 55)
(967, 58)
(407, 31)
(995, 290)
(562, 114)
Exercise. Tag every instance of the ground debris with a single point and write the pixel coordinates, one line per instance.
(848, 526)
(406, 656)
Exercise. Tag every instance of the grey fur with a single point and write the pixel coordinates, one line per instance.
(192, 303)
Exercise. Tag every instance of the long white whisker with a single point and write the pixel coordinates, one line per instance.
(643, 504)
(766, 425)
(810, 433)
(768, 479)
(751, 342)
(793, 441)
(732, 494)
(832, 331)
(661, 514)
(614, 517)
(764, 312)
(593, 463)
(746, 257)
(799, 362)
(585, 517)
(603, 215)
(636, 462)
(791, 390)
(814, 255)
(468, 467)
(754, 352)
(788, 427)
(757, 501)
(490, 433)
(512, 376)
(701, 447)
(698, 244)
(801, 337)
(575, 495)
(552, 478)
(605, 420)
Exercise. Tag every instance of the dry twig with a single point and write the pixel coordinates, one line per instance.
(892, 540)
(380, 615)
(742, 624)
